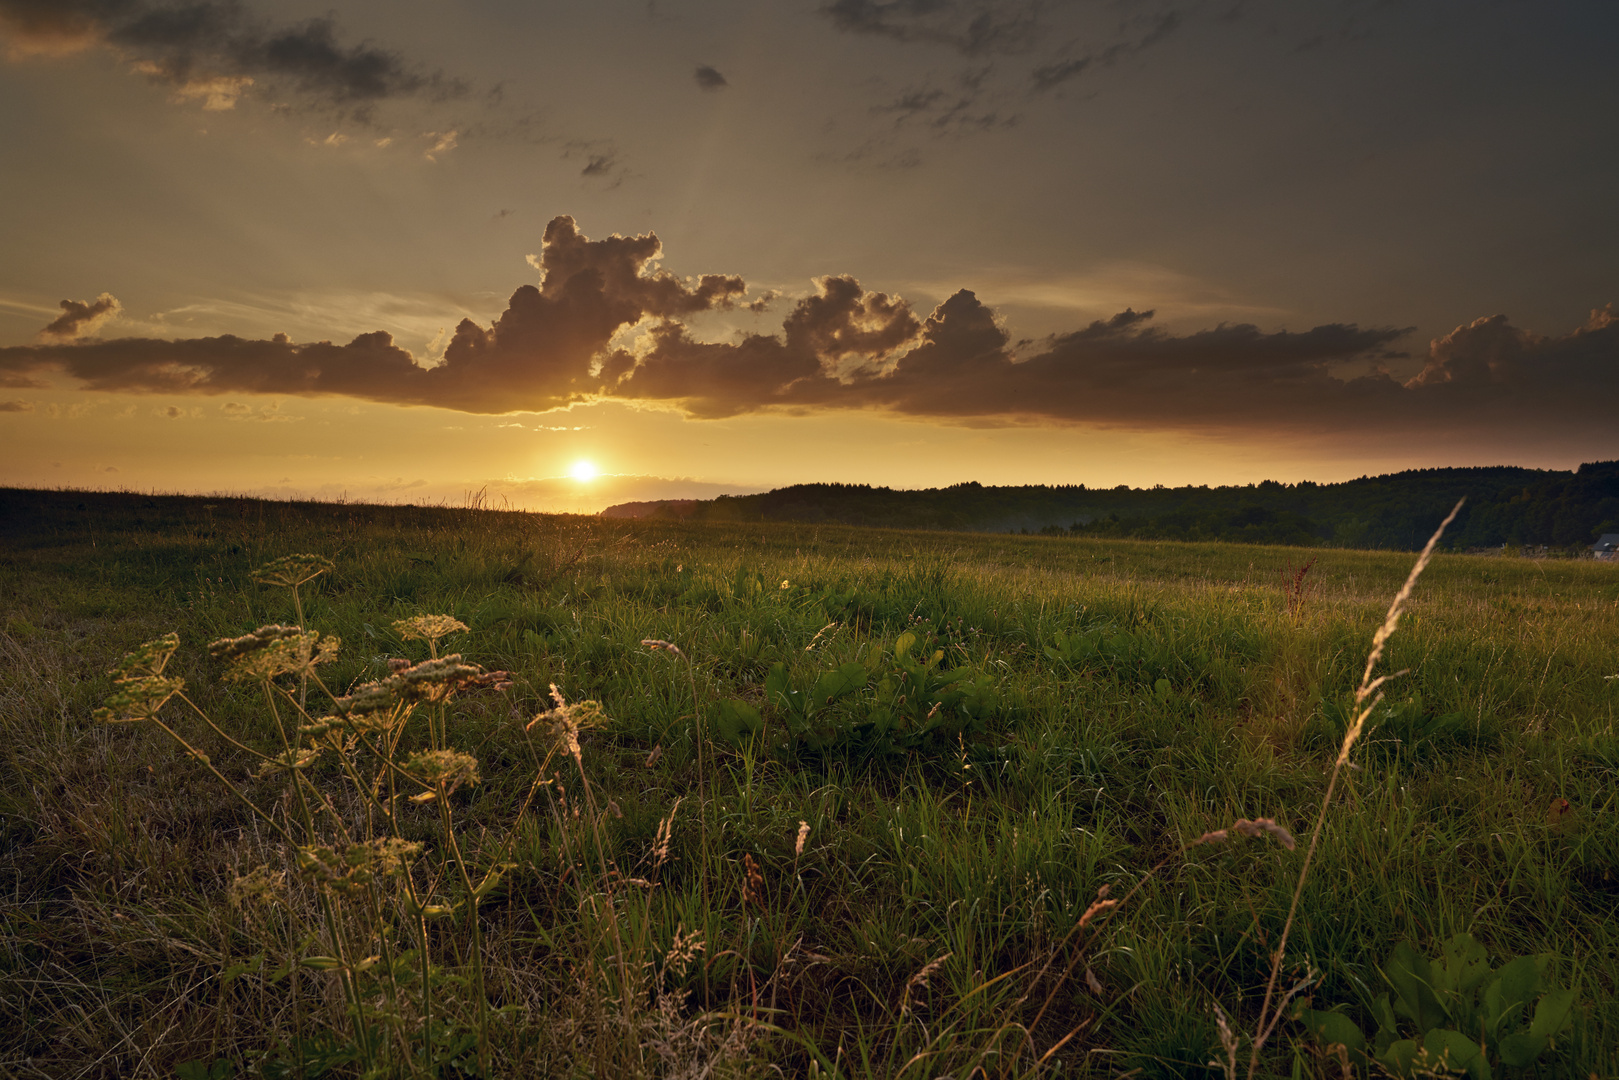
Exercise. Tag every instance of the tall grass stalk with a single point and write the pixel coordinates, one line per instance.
(1368, 695)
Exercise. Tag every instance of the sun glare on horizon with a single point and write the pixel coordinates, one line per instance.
(584, 471)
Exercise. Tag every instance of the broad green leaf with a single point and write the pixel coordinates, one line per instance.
(1386, 1023)
(1463, 967)
(1552, 1014)
(1412, 978)
(1520, 980)
(1454, 1048)
(1520, 1049)
(904, 643)
(1400, 1056)
(736, 721)
(1334, 1028)
(838, 682)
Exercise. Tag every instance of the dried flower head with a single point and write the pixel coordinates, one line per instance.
(258, 887)
(291, 571)
(265, 636)
(1253, 830)
(1100, 906)
(659, 645)
(299, 757)
(753, 883)
(566, 721)
(271, 651)
(358, 865)
(443, 770)
(919, 981)
(138, 697)
(660, 842)
(430, 680)
(428, 627)
(682, 950)
(803, 835)
(149, 659)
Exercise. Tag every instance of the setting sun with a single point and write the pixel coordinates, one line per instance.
(584, 471)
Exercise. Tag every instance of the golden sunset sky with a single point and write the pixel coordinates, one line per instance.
(409, 249)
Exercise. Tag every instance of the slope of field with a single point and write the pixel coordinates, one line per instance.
(855, 826)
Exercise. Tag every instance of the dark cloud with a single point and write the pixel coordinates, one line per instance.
(537, 355)
(709, 78)
(79, 318)
(213, 50)
(847, 347)
(971, 29)
(599, 165)
(1049, 76)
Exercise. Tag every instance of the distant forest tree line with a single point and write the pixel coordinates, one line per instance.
(1505, 506)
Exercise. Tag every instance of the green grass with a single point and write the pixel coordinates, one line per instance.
(1142, 694)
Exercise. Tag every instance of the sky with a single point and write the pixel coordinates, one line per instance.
(558, 256)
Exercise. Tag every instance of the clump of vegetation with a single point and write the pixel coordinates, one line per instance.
(688, 802)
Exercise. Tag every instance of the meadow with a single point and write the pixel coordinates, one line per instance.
(755, 800)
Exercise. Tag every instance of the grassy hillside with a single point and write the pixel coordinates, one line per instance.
(856, 826)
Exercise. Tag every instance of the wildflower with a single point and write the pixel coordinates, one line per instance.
(291, 571)
(148, 659)
(358, 865)
(803, 835)
(431, 680)
(270, 651)
(257, 887)
(300, 757)
(445, 770)
(428, 627)
(140, 687)
(567, 721)
(138, 697)
(785, 584)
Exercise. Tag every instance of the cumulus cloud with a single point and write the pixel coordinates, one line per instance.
(16, 405)
(211, 51)
(569, 340)
(709, 78)
(79, 318)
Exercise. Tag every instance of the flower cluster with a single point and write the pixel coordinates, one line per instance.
(140, 687)
(431, 680)
(291, 571)
(358, 865)
(274, 650)
(428, 627)
(443, 769)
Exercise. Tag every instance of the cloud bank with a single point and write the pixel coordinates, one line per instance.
(563, 342)
(213, 50)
